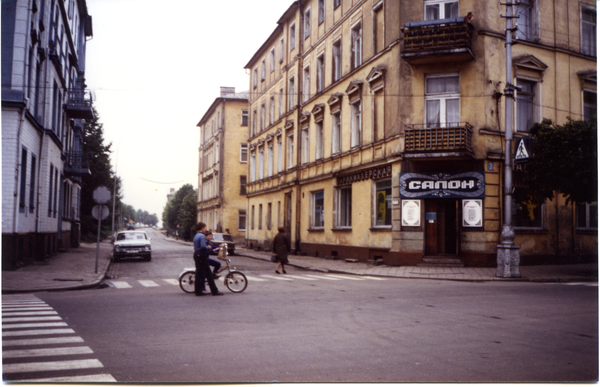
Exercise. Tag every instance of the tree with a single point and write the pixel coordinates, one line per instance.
(187, 215)
(565, 161)
(171, 214)
(102, 175)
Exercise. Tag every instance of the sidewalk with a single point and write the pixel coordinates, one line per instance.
(75, 269)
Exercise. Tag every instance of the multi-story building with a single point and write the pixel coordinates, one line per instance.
(377, 128)
(44, 103)
(223, 156)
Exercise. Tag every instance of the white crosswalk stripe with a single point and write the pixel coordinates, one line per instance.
(345, 277)
(148, 283)
(171, 281)
(323, 277)
(250, 278)
(22, 352)
(277, 278)
(120, 284)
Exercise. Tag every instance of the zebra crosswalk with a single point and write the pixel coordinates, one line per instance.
(33, 332)
(131, 283)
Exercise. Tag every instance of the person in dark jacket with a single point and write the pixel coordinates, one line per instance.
(281, 247)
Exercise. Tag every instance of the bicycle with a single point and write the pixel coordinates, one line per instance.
(234, 280)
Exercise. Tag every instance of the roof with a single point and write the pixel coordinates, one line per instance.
(243, 96)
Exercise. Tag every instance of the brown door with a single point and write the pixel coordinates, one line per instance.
(441, 227)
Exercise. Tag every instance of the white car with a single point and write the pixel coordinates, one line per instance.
(132, 244)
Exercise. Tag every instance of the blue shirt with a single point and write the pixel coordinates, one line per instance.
(199, 242)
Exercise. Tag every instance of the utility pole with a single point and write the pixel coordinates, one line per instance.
(508, 257)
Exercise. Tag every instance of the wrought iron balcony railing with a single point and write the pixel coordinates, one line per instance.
(444, 140)
(76, 164)
(79, 104)
(435, 40)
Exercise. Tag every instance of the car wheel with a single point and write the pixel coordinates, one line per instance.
(149, 257)
(115, 258)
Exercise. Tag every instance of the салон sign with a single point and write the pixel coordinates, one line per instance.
(442, 185)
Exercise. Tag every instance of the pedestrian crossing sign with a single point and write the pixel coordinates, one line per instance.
(524, 150)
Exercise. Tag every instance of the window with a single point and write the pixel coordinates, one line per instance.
(590, 107)
(261, 164)
(242, 220)
(290, 151)
(317, 210)
(527, 210)
(279, 154)
(262, 116)
(307, 23)
(32, 184)
(281, 102)
(588, 31)
(23, 187)
(255, 78)
(50, 190)
(436, 10)
(252, 220)
(244, 118)
(320, 73)
(270, 161)
(344, 207)
(272, 110)
(336, 131)
(292, 92)
(305, 145)
(306, 86)
(269, 215)
(254, 120)
(355, 138)
(243, 185)
(356, 47)
(272, 61)
(526, 29)
(442, 100)
(263, 70)
(253, 167)
(383, 203)
(292, 36)
(260, 216)
(336, 3)
(525, 105)
(337, 60)
(587, 215)
(319, 140)
(378, 29)
(281, 50)
(321, 11)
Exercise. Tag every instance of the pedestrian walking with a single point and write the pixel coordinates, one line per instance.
(202, 268)
(281, 248)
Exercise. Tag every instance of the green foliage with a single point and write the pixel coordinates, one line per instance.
(180, 212)
(565, 161)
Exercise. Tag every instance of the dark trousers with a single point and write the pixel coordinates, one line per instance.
(203, 273)
(215, 264)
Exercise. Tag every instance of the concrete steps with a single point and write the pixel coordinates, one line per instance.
(441, 262)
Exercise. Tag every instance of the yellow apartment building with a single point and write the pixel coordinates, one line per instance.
(222, 168)
(377, 128)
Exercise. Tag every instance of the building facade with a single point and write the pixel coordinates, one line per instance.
(223, 156)
(44, 103)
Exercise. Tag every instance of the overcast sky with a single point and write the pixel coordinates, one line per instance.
(155, 67)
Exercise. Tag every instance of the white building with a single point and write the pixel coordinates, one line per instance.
(44, 103)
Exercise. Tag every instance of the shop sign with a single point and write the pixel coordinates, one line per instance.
(374, 173)
(442, 185)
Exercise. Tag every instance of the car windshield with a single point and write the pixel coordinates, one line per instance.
(128, 236)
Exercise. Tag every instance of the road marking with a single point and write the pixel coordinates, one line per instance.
(302, 278)
(24, 303)
(171, 281)
(277, 278)
(120, 284)
(35, 325)
(250, 278)
(344, 277)
(37, 332)
(374, 278)
(37, 318)
(100, 378)
(46, 352)
(51, 366)
(148, 283)
(29, 313)
(12, 309)
(323, 277)
(49, 340)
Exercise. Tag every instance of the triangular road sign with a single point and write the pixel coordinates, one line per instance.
(524, 151)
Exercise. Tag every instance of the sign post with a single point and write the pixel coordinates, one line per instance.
(101, 196)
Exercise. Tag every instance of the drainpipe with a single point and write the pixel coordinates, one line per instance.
(298, 129)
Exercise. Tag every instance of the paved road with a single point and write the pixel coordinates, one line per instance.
(304, 326)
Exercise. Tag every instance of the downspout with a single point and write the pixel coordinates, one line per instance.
(298, 129)
(222, 165)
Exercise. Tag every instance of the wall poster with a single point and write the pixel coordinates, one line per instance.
(472, 213)
(411, 213)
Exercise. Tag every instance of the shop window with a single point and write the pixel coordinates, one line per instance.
(527, 210)
(587, 216)
(317, 210)
(383, 203)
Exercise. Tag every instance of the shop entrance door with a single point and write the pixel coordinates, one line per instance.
(441, 227)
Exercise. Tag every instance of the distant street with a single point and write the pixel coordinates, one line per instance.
(315, 327)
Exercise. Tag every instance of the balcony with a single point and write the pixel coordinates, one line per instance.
(452, 140)
(76, 164)
(79, 104)
(437, 41)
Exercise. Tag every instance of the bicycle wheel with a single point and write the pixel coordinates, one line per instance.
(236, 281)
(187, 280)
